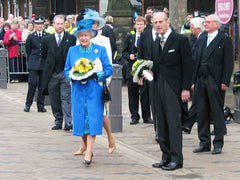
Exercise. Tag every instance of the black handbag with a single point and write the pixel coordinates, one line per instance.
(106, 93)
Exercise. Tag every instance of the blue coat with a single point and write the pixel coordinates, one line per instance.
(91, 92)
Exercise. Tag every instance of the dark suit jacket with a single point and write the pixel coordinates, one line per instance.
(174, 62)
(33, 50)
(108, 32)
(129, 48)
(146, 46)
(219, 58)
(49, 45)
(196, 45)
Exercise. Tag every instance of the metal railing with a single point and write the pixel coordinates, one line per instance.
(20, 64)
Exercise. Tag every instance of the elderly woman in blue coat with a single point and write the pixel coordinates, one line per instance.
(87, 104)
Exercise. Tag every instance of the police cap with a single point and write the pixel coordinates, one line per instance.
(39, 19)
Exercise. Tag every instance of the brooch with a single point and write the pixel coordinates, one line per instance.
(96, 50)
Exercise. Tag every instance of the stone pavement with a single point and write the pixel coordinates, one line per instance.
(29, 150)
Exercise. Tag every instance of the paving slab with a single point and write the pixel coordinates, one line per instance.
(30, 150)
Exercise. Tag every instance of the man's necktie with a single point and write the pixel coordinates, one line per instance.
(138, 40)
(162, 42)
(59, 39)
(39, 36)
(157, 41)
(209, 39)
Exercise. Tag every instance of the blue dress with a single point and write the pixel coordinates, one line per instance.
(87, 95)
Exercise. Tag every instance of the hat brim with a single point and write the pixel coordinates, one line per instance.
(81, 30)
(39, 22)
(99, 19)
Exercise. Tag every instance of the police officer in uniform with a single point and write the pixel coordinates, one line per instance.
(35, 65)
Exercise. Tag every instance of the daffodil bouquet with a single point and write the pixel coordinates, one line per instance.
(82, 69)
(142, 67)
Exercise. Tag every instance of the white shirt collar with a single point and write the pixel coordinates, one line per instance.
(154, 34)
(39, 32)
(56, 35)
(199, 34)
(167, 34)
(214, 34)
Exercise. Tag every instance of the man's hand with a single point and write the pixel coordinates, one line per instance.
(192, 87)
(224, 87)
(140, 82)
(132, 57)
(185, 95)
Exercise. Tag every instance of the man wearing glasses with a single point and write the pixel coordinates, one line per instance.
(211, 78)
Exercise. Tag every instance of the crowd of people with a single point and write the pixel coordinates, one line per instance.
(201, 64)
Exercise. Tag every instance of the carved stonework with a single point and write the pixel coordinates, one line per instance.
(119, 8)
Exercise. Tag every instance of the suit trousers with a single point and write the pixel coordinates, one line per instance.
(134, 91)
(34, 81)
(60, 96)
(169, 114)
(210, 107)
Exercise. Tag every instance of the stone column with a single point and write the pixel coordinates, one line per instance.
(177, 13)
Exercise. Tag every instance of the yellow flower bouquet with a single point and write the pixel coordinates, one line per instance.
(140, 67)
(82, 69)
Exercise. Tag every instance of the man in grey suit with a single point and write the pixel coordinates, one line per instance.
(54, 51)
(212, 76)
(172, 69)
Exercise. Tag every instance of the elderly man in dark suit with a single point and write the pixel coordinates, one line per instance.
(130, 46)
(35, 65)
(54, 51)
(197, 29)
(212, 76)
(172, 69)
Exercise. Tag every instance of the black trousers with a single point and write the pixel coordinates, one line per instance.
(169, 125)
(134, 91)
(60, 96)
(34, 81)
(210, 107)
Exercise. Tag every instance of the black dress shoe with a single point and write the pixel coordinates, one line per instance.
(187, 130)
(134, 121)
(201, 149)
(148, 121)
(217, 150)
(85, 162)
(56, 127)
(160, 164)
(172, 166)
(27, 108)
(67, 127)
(42, 110)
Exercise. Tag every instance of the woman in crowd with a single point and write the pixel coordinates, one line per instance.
(11, 39)
(99, 23)
(87, 104)
(28, 30)
(68, 26)
(5, 28)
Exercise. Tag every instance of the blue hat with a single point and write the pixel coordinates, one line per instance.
(94, 15)
(85, 25)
